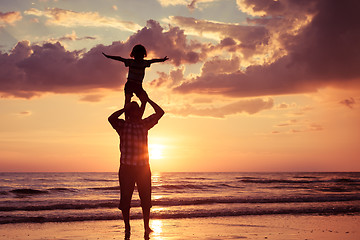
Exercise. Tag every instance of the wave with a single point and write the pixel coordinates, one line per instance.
(28, 191)
(174, 187)
(97, 204)
(295, 181)
(62, 190)
(184, 214)
(117, 188)
(100, 180)
(81, 205)
(334, 185)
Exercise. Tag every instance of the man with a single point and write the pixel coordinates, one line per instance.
(134, 160)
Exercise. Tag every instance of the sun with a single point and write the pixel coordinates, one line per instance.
(156, 151)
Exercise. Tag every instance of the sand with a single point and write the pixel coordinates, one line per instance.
(279, 227)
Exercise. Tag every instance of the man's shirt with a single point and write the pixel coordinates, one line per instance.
(134, 140)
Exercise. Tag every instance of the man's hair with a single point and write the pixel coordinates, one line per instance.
(134, 106)
(138, 49)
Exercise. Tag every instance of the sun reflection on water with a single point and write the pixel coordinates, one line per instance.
(156, 225)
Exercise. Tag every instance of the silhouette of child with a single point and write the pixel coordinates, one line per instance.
(137, 65)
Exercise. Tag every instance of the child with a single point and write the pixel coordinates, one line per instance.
(136, 73)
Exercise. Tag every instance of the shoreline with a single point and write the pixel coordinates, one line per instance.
(279, 227)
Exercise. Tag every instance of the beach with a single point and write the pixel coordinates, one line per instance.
(281, 227)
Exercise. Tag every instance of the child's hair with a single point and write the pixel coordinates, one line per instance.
(138, 50)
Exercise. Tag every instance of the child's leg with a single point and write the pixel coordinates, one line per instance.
(142, 96)
(127, 98)
(129, 92)
(127, 101)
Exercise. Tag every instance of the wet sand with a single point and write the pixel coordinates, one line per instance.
(279, 227)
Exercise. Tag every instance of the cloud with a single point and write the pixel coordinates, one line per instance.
(291, 122)
(172, 79)
(71, 37)
(9, 18)
(283, 106)
(256, 81)
(248, 35)
(67, 18)
(297, 126)
(264, 8)
(310, 128)
(350, 102)
(25, 113)
(191, 4)
(247, 41)
(250, 106)
(166, 3)
(218, 65)
(30, 70)
(172, 43)
(295, 47)
(92, 98)
(33, 69)
(321, 50)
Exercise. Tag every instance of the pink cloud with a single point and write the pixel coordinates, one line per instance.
(172, 79)
(68, 18)
(349, 102)
(250, 106)
(172, 43)
(92, 98)
(324, 52)
(25, 113)
(250, 38)
(310, 53)
(297, 126)
(9, 18)
(31, 69)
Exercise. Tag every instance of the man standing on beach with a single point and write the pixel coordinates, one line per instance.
(134, 160)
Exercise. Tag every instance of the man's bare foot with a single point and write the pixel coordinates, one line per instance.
(147, 232)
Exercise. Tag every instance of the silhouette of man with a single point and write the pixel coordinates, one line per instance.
(134, 160)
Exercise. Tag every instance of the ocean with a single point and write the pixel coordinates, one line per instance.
(67, 197)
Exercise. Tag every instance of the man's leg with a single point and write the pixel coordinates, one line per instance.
(126, 217)
(146, 216)
(127, 184)
(144, 188)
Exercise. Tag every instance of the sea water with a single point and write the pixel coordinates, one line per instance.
(66, 197)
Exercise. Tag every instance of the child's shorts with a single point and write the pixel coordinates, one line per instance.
(132, 87)
(128, 176)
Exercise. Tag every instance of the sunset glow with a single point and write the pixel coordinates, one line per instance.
(156, 151)
(249, 85)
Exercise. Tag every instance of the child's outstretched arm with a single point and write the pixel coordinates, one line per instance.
(118, 58)
(158, 60)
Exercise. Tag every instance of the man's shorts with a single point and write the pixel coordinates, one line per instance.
(128, 176)
(132, 87)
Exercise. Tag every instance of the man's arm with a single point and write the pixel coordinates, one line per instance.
(159, 112)
(115, 116)
(118, 58)
(155, 60)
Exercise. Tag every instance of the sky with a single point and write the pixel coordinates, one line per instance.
(249, 85)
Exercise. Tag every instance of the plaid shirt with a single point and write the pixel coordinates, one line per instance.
(134, 140)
